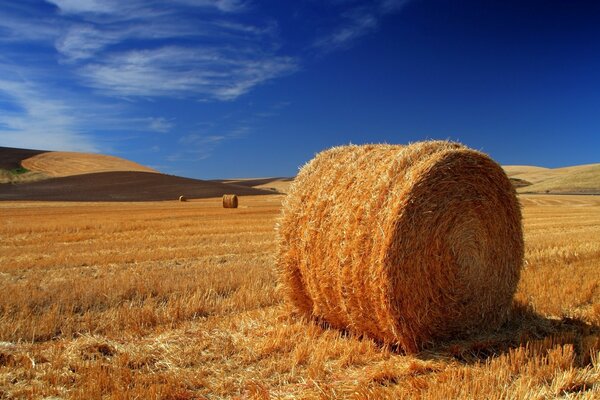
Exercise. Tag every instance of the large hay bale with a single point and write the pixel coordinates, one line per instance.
(230, 201)
(182, 198)
(406, 244)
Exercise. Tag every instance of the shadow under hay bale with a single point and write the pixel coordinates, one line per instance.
(230, 201)
(527, 330)
(409, 245)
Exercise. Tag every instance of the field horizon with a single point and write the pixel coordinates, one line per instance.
(57, 175)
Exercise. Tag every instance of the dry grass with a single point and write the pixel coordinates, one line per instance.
(407, 244)
(582, 179)
(7, 176)
(64, 163)
(146, 300)
(578, 179)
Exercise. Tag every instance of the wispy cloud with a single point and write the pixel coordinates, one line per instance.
(39, 121)
(160, 124)
(85, 6)
(221, 5)
(356, 22)
(90, 52)
(81, 41)
(201, 144)
(197, 147)
(18, 29)
(213, 73)
(124, 8)
(195, 49)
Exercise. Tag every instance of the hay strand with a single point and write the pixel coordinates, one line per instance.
(406, 244)
(230, 201)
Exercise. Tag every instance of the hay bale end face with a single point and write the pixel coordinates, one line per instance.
(406, 244)
(182, 198)
(230, 201)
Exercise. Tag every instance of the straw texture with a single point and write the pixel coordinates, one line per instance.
(406, 244)
(230, 201)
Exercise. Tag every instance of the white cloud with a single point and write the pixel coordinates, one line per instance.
(354, 27)
(221, 5)
(81, 41)
(19, 30)
(160, 124)
(39, 121)
(358, 22)
(85, 6)
(134, 48)
(128, 9)
(196, 139)
(84, 41)
(56, 141)
(213, 73)
(197, 147)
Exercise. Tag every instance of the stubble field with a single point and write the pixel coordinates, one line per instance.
(179, 301)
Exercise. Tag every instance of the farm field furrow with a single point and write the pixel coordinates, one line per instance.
(179, 301)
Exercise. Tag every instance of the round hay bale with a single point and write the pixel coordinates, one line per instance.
(406, 244)
(182, 198)
(230, 201)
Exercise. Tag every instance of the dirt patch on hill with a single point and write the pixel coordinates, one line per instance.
(121, 186)
(10, 158)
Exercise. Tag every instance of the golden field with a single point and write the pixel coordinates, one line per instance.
(179, 301)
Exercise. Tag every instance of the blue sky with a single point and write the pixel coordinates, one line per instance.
(235, 88)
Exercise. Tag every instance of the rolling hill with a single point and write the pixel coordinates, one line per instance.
(579, 179)
(66, 176)
(56, 175)
(277, 184)
(63, 163)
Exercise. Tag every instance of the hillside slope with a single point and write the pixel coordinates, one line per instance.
(68, 176)
(63, 163)
(575, 180)
(10, 157)
(121, 186)
(578, 179)
(278, 184)
(11, 170)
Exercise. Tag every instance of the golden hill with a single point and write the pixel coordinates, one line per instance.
(277, 184)
(63, 163)
(578, 179)
(582, 179)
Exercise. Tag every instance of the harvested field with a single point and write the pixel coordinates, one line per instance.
(64, 163)
(577, 179)
(279, 185)
(147, 300)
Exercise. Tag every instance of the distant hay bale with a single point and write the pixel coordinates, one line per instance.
(230, 201)
(182, 198)
(406, 244)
